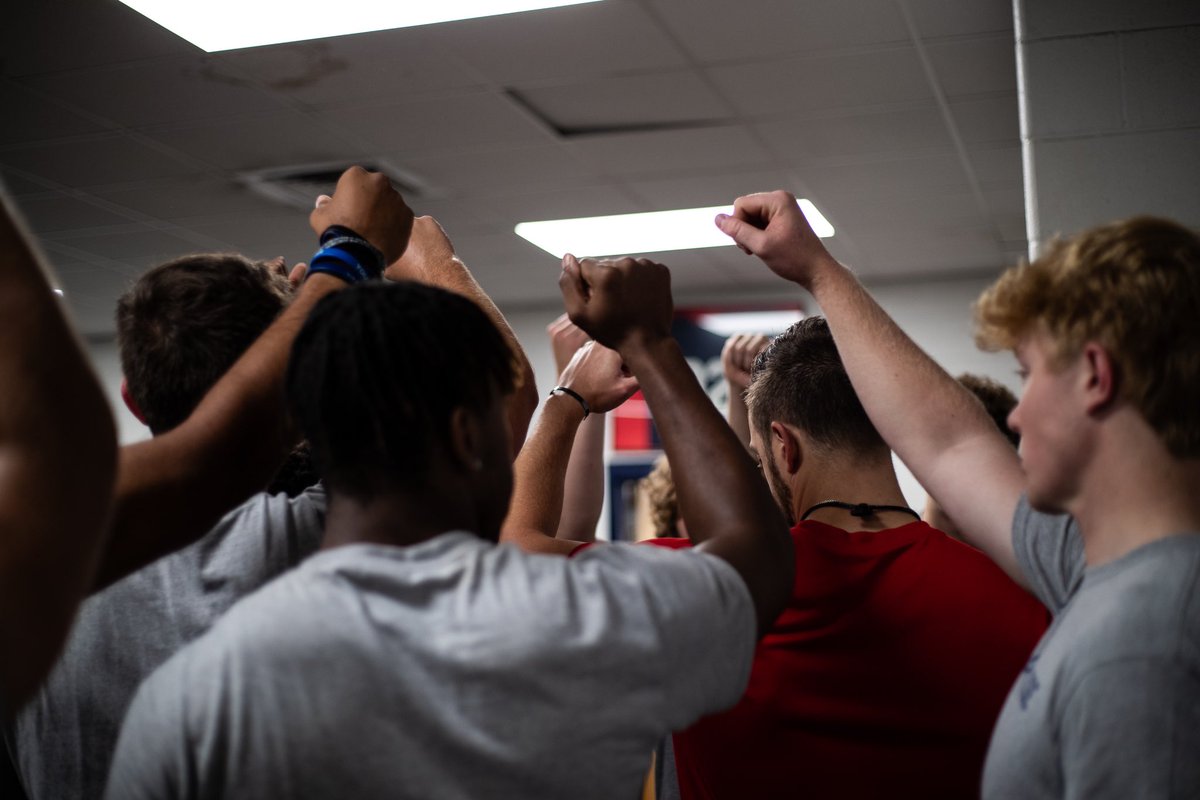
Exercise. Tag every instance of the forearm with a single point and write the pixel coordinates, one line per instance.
(727, 506)
(173, 488)
(583, 494)
(738, 417)
(936, 427)
(57, 461)
(539, 477)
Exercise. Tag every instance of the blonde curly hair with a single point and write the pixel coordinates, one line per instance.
(1131, 286)
(660, 492)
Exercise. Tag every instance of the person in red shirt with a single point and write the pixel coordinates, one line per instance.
(886, 671)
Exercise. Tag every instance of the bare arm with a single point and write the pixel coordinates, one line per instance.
(737, 360)
(430, 259)
(596, 374)
(730, 512)
(937, 427)
(57, 463)
(173, 488)
(583, 495)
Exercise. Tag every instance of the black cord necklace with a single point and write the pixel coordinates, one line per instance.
(858, 509)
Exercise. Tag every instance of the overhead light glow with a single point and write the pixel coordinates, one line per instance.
(727, 323)
(650, 232)
(58, 292)
(229, 24)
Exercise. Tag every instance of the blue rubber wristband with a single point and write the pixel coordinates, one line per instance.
(339, 263)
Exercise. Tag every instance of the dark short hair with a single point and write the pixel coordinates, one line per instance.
(799, 379)
(997, 401)
(376, 372)
(183, 324)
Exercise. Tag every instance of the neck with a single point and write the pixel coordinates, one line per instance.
(869, 479)
(1132, 493)
(398, 519)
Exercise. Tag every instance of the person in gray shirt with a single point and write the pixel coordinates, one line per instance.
(1098, 516)
(413, 657)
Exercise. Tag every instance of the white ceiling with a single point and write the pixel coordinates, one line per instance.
(898, 118)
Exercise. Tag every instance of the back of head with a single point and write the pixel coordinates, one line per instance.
(1133, 287)
(376, 373)
(997, 401)
(799, 379)
(184, 323)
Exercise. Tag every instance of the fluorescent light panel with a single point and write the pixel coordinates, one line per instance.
(727, 323)
(229, 24)
(650, 232)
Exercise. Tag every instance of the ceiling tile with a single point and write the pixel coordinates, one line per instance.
(987, 120)
(369, 67)
(40, 37)
(714, 189)
(961, 17)
(60, 212)
(643, 99)
(584, 200)
(151, 92)
(258, 141)
(262, 236)
(996, 166)
(538, 167)
(976, 65)
(203, 199)
(885, 76)
(592, 39)
(715, 31)
(136, 248)
(31, 118)
(442, 123)
(878, 135)
(663, 151)
(102, 160)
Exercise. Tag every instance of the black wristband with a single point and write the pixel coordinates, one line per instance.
(572, 393)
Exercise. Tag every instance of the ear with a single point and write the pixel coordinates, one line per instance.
(1099, 378)
(785, 441)
(466, 439)
(130, 403)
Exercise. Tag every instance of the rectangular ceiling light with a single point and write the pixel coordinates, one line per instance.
(651, 232)
(215, 25)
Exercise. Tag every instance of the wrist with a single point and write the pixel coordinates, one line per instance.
(569, 398)
(824, 270)
(639, 352)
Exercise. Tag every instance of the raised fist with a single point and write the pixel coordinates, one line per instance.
(618, 303)
(772, 227)
(366, 203)
(565, 339)
(737, 358)
(599, 376)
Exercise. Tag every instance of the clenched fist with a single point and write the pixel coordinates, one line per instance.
(366, 203)
(618, 303)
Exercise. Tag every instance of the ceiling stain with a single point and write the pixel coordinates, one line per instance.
(283, 69)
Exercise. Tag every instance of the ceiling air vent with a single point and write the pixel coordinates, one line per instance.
(298, 186)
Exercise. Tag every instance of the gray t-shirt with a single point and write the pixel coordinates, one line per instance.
(63, 740)
(453, 668)
(1109, 704)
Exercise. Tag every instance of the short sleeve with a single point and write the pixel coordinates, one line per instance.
(152, 751)
(1131, 729)
(1049, 551)
(702, 618)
